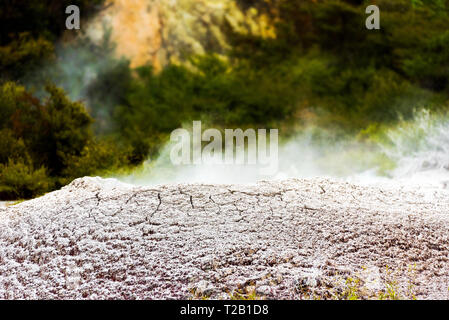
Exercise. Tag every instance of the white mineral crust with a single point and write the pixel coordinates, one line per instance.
(98, 239)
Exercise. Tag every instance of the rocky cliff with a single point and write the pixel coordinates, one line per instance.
(161, 31)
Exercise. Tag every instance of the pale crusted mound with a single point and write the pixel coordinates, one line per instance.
(102, 239)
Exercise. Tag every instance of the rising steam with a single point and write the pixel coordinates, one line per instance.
(413, 152)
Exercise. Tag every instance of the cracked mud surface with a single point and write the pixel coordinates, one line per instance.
(98, 239)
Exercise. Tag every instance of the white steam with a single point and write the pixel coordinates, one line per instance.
(415, 152)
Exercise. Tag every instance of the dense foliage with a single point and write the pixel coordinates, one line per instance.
(45, 143)
(323, 66)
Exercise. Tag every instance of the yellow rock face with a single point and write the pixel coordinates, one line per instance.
(162, 31)
(136, 29)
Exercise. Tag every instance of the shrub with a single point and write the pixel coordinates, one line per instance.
(19, 180)
(47, 143)
(97, 157)
(11, 147)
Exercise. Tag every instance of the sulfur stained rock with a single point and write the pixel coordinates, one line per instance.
(162, 31)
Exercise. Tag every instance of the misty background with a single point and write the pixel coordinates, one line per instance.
(358, 104)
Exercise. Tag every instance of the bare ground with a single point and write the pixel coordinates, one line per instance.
(99, 239)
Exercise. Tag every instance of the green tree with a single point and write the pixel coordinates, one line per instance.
(42, 135)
